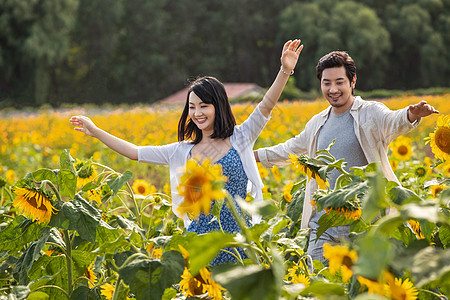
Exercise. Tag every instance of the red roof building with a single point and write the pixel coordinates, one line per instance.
(234, 90)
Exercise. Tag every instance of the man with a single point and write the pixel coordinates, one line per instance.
(362, 129)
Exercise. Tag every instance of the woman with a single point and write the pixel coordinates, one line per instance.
(207, 129)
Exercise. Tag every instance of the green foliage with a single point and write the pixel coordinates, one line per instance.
(119, 239)
(149, 278)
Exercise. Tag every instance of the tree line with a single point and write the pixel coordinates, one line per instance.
(118, 51)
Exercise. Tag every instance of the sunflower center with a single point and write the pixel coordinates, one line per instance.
(402, 150)
(33, 202)
(141, 189)
(442, 139)
(194, 287)
(347, 261)
(438, 190)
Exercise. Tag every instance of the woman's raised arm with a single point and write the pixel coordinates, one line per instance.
(84, 124)
(289, 58)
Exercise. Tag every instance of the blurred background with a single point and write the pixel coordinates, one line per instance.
(54, 52)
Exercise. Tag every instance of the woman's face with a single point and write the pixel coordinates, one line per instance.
(202, 114)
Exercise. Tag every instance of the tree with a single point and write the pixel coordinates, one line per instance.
(35, 37)
(325, 26)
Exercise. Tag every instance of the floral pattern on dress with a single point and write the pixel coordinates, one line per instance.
(236, 186)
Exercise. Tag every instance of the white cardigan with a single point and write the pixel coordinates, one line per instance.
(176, 154)
(376, 126)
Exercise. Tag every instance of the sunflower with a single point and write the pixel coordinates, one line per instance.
(10, 176)
(436, 189)
(89, 273)
(396, 289)
(401, 148)
(349, 214)
(373, 287)
(295, 276)
(263, 172)
(351, 209)
(287, 191)
(421, 171)
(311, 171)
(200, 184)
(86, 173)
(107, 290)
(154, 252)
(440, 139)
(200, 284)
(416, 228)
(340, 258)
(142, 187)
(166, 188)
(95, 195)
(276, 173)
(34, 204)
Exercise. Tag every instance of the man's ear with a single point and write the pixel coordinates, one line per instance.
(353, 83)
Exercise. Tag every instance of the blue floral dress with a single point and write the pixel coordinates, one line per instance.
(236, 186)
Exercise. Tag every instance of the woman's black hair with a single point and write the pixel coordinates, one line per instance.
(210, 91)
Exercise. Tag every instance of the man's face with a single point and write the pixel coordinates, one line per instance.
(337, 89)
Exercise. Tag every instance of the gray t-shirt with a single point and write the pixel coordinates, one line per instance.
(341, 128)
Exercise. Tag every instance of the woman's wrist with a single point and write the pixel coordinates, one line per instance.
(286, 71)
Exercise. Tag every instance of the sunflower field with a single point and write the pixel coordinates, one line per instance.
(78, 221)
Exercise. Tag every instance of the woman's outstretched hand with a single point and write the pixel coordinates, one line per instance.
(83, 124)
(290, 54)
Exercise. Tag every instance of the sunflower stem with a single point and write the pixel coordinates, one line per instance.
(54, 287)
(53, 187)
(68, 260)
(8, 191)
(59, 246)
(116, 293)
(138, 212)
(240, 221)
(433, 293)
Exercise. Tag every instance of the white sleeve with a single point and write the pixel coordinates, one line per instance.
(158, 155)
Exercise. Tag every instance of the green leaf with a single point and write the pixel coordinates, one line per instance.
(325, 290)
(374, 255)
(247, 282)
(425, 210)
(331, 219)
(32, 253)
(217, 207)
(130, 225)
(82, 217)
(85, 293)
(149, 278)
(111, 240)
(400, 195)
(56, 266)
(38, 296)
(266, 208)
(276, 224)
(44, 174)
(255, 232)
(20, 291)
(18, 233)
(337, 198)
(67, 175)
(444, 234)
(375, 200)
(295, 207)
(431, 266)
(117, 181)
(205, 247)
(169, 293)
